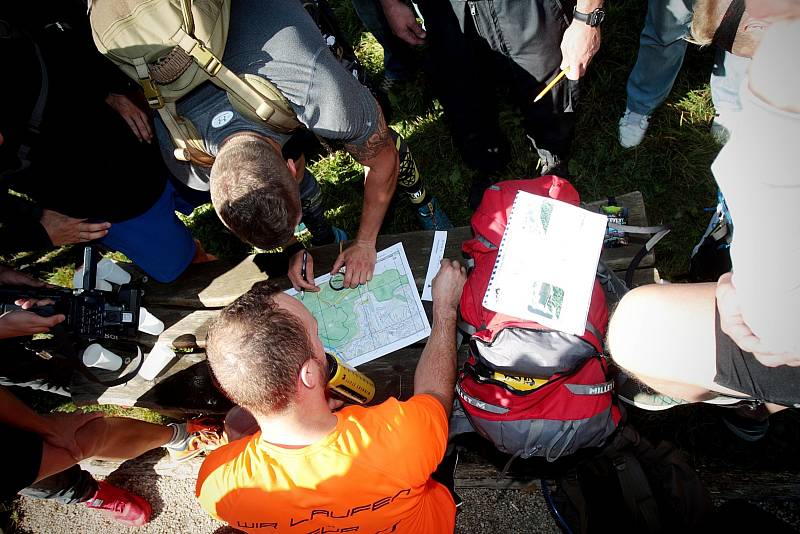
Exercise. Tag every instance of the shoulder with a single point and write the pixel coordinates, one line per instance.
(419, 410)
(222, 466)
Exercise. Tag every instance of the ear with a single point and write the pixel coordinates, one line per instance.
(309, 374)
(292, 168)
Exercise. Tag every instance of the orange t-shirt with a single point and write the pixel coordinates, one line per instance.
(370, 475)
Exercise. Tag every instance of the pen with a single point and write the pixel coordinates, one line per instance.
(551, 84)
(303, 270)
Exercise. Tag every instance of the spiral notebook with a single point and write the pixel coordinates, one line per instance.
(546, 263)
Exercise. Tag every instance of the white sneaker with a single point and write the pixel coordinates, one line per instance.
(632, 127)
(722, 126)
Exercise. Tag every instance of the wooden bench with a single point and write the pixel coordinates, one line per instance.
(188, 305)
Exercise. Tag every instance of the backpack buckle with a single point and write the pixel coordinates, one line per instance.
(151, 93)
(205, 58)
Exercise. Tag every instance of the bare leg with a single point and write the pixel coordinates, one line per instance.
(664, 335)
(113, 438)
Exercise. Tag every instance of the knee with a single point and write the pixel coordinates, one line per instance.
(91, 436)
(628, 329)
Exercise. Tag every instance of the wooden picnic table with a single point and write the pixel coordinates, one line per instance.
(185, 388)
(188, 305)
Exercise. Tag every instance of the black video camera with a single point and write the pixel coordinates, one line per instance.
(90, 314)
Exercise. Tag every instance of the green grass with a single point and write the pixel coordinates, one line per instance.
(671, 167)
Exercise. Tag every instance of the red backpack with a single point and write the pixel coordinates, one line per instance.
(529, 389)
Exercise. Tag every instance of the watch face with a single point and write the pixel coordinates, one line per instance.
(596, 17)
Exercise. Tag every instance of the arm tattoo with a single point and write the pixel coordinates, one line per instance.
(372, 146)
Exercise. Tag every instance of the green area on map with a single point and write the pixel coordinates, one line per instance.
(337, 311)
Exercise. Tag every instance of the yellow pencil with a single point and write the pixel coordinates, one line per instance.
(551, 84)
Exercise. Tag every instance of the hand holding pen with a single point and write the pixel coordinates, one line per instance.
(301, 271)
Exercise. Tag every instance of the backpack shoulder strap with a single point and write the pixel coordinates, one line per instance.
(636, 491)
(269, 106)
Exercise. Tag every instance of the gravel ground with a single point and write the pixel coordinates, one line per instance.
(175, 511)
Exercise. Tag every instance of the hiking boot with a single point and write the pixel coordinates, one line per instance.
(632, 127)
(431, 216)
(748, 422)
(120, 505)
(204, 434)
(633, 392)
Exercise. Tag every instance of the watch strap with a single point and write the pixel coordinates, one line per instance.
(594, 18)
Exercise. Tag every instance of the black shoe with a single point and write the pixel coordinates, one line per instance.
(748, 422)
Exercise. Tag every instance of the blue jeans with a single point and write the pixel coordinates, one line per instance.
(661, 50)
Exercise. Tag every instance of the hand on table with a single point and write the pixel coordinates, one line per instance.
(448, 284)
(359, 259)
(62, 429)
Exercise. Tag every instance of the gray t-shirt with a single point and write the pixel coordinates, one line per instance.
(278, 40)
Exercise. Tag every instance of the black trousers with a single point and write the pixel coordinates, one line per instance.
(476, 46)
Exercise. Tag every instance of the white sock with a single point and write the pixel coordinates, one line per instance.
(179, 436)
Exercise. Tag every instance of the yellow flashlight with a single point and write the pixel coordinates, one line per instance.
(347, 382)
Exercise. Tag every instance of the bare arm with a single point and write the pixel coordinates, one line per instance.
(580, 42)
(380, 159)
(436, 370)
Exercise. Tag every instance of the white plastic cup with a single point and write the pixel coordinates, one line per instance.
(156, 361)
(149, 323)
(108, 270)
(98, 356)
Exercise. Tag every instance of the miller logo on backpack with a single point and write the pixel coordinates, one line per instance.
(530, 390)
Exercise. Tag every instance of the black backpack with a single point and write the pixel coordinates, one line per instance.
(630, 486)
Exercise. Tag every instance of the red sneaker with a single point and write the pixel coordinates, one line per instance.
(121, 505)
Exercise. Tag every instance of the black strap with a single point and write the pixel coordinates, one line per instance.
(726, 32)
(636, 491)
(82, 369)
(65, 353)
(646, 248)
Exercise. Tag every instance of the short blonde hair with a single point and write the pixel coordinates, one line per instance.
(706, 20)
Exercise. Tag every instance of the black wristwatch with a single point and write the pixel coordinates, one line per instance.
(592, 19)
